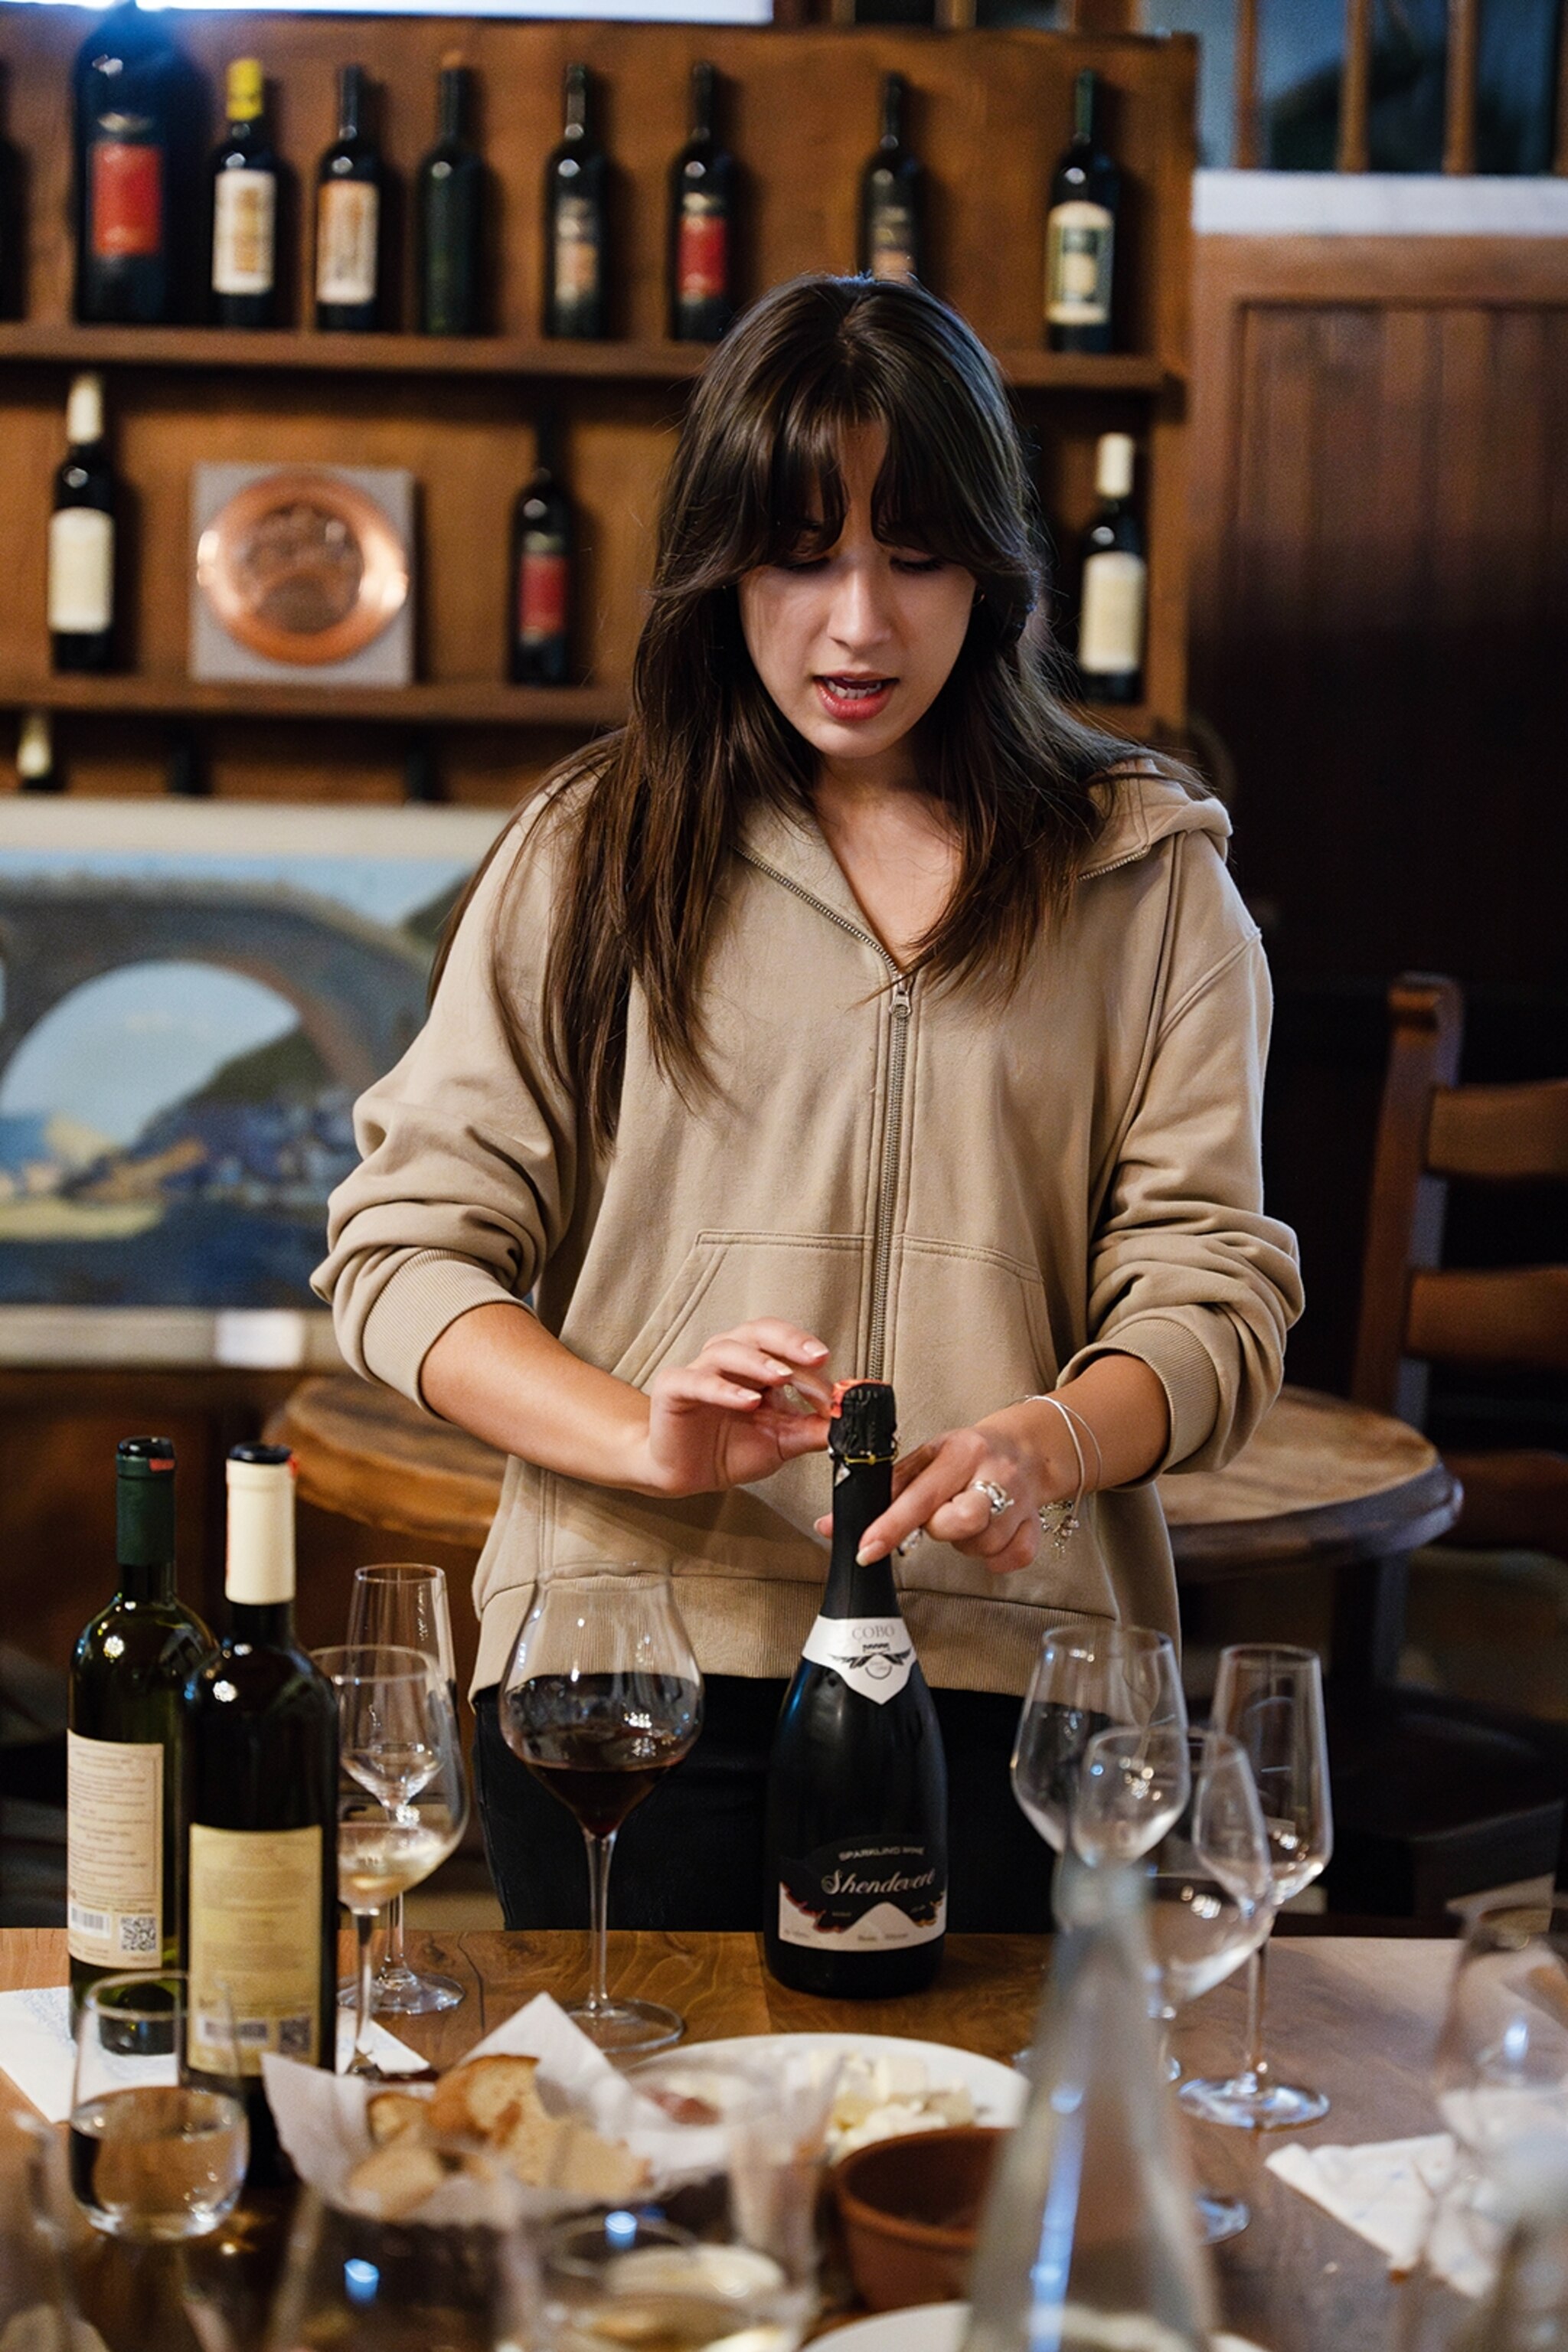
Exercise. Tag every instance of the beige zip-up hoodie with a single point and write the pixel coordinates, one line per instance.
(969, 1201)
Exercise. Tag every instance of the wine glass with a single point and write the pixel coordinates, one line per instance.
(158, 2143)
(1087, 1678)
(1502, 2069)
(403, 1795)
(1131, 1788)
(601, 1698)
(351, 2283)
(1271, 1701)
(405, 1602)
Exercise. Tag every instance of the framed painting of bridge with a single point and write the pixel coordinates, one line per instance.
(194, 993)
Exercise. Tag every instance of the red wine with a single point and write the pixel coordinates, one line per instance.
(245, 176)
(1080, 234)
(1113, 601)
(601, 1743)
(701, 225)
(350, 223)
(891, 197)
(127, 88)
(856, 1813)
(576, 237)
(540, 630)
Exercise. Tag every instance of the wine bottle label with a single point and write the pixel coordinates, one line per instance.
(255, 1945)
(864, 1895)
(543, 583)
(348, 222)
(703, 250)
(892, 241)
(127, 183)
(1080, 242)
(872, 1655)
(245, 213)
(81, 571)
(1110, 631)
(114, 1852)
(576, 249)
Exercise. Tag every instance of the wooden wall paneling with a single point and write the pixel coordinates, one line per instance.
(1165, 678)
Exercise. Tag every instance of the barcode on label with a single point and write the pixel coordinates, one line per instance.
(251, 2029)
(138, 1932)
(89, 1923)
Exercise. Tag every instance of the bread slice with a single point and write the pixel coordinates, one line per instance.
(586, 2166)
(391, 2115)
(484, 2098)
(397, 2179)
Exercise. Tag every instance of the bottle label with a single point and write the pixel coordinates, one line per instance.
(892, 241)
(872, 1655)
(544, 576)
(114, 1852)
(255, 1945)
(81, 571)
(348, 219)
(864, 1895)
(245, 212)
(127, 181)
(701, 261)
(1110, 631)
(576, 249)
(1080, 241)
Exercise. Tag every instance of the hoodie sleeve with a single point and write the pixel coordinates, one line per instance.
(1185, 1271)
(468, 1151)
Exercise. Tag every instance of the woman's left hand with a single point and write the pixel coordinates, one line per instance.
(939, 1487)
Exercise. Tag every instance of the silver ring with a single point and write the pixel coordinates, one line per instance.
(997, 1496)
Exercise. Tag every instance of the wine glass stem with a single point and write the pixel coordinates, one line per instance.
(364, 1928)
(393, 1959)
(600, 1850)
(1256, 1991)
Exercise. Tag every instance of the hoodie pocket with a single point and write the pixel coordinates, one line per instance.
(814, 1280)
(971, 1334)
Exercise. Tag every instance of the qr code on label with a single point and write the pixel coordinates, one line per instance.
(138, 1932)
(294, 2037)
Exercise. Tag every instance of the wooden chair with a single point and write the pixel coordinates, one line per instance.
(1446, 1795)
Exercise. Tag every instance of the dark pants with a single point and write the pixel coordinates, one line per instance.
(691, 1857)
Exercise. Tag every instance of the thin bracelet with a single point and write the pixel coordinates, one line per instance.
(1061, 1521)
(1083, 1424)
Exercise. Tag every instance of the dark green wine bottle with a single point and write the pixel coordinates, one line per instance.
(124, 1834)
(449, 202)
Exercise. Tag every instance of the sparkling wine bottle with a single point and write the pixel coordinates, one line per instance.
(576, 241)
(448, 216)
(542, 569)
(127, 94)
(1080, 234)
(124, 1834)
(81, 551)
(261, 1777)
(350, 182)
(701, 225)
(891, 195)
(855, 1894)
(1115, 593)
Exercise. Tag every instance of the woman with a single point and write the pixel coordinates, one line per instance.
(854, 1010)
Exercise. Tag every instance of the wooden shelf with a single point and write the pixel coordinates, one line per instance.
(459, 703)
(481, 355)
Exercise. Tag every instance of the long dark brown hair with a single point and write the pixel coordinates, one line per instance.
(756, 478)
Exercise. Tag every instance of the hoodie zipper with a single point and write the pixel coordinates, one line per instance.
(902, 1005)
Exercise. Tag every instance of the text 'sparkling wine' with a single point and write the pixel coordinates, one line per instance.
(124, 1831)
(261, 1775)
(1080, 234)
(855, 1897)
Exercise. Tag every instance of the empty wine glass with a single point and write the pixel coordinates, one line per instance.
(402, 1791)
(602, 1697)
(1131, 1787)
(1271, 1702)
(158, 2143)
(1502, 2069)
(405, 1602)
(1087, 1678)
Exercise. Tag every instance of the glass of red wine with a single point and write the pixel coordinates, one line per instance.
(603, 1696)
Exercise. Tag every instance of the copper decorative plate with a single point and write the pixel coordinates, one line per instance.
(303, 568)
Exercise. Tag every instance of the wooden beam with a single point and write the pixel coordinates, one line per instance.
(1464, 40)
(1355, 87)
(1103, 17)
(1249, 142)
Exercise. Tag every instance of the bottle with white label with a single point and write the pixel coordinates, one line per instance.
(576, 222)
(81, 539)
(1113, 607)
(123, 1830)
(261, 1768)
(37, 768)
(244, 206)
(855, 1898)
(892, 195)
(1080, 234)
(350, 185)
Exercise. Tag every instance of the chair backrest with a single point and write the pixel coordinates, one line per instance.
(1413, 1312)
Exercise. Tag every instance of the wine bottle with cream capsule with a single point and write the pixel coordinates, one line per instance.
(123, 1750)
(81, 549)
(261, 1758)
(1113, 610)
(1080, 234)
(855, 1892)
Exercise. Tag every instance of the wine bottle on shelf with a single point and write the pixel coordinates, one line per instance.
(261, 1774)
(37, 770)
(126, 94)
(891, 196)
(701, 225)
(349, 183)
(1114, 599)
(855, 1897)
(244, 274)
(576, 241)
(1080, 234)
(81, 552)
(541, 553)
(449, 217)
(124, 1825)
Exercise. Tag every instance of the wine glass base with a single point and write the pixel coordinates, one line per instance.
(403, 1992)
(628, 2028)
(1220, 2217)
(1245, 2103)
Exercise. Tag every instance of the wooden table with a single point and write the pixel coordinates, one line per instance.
(1357, 2016)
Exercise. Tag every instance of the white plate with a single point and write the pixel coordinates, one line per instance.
(997, 2090)
(924, 2327)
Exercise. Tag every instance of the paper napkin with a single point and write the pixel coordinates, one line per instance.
(1396, 2194)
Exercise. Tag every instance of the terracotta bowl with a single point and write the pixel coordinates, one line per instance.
(909, 2208)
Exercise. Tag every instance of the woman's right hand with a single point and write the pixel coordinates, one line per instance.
(723, 1421)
